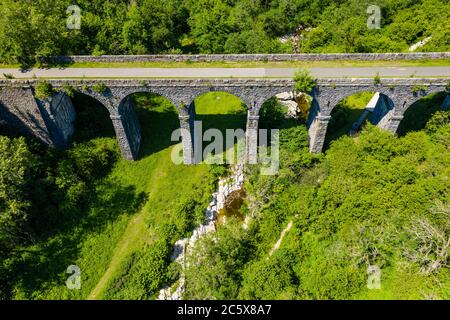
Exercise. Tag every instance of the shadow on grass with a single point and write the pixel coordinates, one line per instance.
(156, 129)
(342, 119)
(92, 119)
(46, 262)
(222, 122)
(417, 116)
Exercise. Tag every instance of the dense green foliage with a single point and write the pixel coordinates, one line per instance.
(87, 206)
(304, 82)
(374, 200)
(45, 192)
(29, 30)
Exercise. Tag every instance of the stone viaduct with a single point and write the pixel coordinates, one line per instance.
(51, 119)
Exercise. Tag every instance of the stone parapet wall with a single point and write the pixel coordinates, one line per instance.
(254, 57)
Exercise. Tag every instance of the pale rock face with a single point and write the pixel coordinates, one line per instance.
(285, 96)
(225, 187)
(288, 99)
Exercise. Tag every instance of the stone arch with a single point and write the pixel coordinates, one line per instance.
(174, 95)
(416, 115)
(61, 113)
(403, 97)
(326, 97)
(128, 123)
(352, 112)
(107, 98)
(87, 106)
(215, 118)
(329, 96)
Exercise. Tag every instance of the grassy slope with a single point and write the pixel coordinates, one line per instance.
(100, 252)
(161, 180)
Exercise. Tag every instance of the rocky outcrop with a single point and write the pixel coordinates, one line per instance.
(287, 99)
(225, 187)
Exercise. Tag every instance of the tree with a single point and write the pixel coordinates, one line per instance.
(214, 265)
(16, 164)
(304, 82)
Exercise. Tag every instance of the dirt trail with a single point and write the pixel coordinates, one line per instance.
(280, 240)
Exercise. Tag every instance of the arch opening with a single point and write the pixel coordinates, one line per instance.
(349, 116)
(418, 114)
(92, 119)
(157, 118)
(284, 111)
(220, 126)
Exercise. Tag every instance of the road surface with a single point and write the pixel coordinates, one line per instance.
(357, 72)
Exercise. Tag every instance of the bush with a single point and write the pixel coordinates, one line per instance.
(303, 81)
(100, 87)
(270, 279)
(44, 90)
(377, 79)
(143, 274)
(69, 90)
(438, 120)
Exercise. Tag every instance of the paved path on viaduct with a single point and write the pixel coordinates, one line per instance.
(51, 119)
(443, 71)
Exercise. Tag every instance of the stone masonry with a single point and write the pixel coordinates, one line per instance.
(254, 57)
(52, 119)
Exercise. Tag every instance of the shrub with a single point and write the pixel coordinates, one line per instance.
(438, 120)
(377, 79)
(271, 278)
(304, 82)
(69, 90)
(419, 88)
(44, 90)
(100, 87)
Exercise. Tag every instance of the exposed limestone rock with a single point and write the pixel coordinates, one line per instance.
(225, 187)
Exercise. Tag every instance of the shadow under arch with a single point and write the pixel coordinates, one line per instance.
(92, 119)
(352, 112)
(283, 111)
(418, 114)
(219, 110)
(157, 117)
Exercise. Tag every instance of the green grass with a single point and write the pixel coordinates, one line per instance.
(345, 114)
(132, 204)
(222, 111)
(253, 64)
(418, 114)
(260, 64)
(156, 175)
(99, 246)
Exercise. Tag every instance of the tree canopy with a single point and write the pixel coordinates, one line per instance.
(31, 29)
